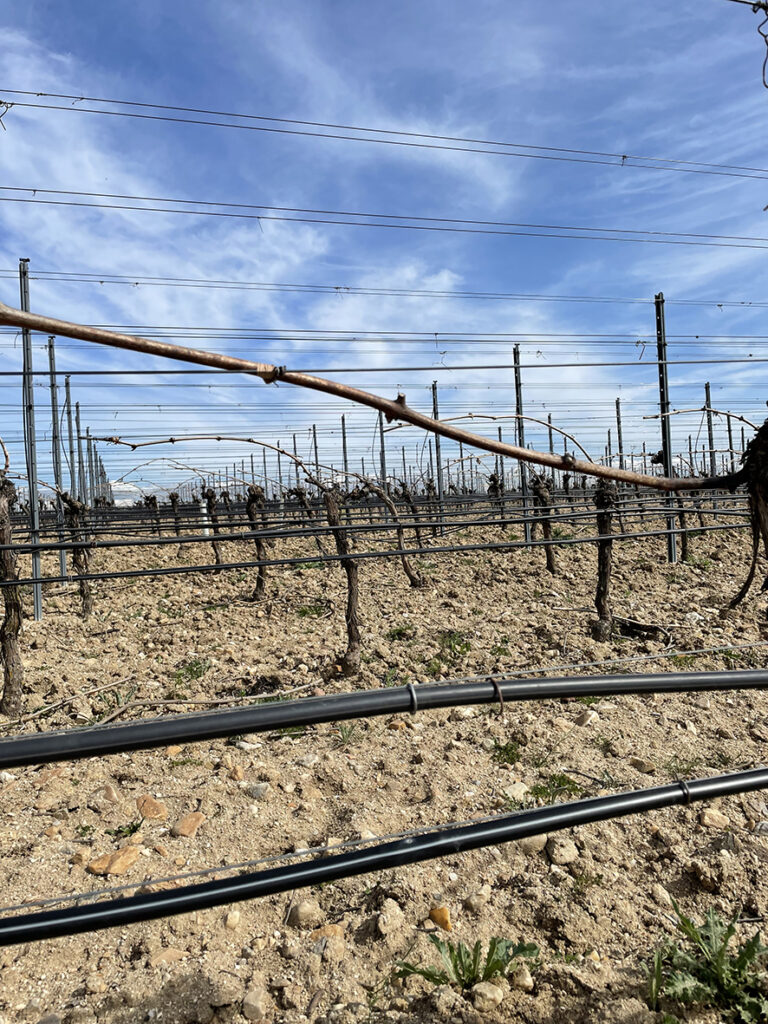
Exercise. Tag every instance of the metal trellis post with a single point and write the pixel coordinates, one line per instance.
(56, 453)
(30, 442)
(666, 434)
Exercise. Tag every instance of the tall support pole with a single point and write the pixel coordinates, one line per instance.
(382, 455)
(279, 471)
(56, 453)
(463, 474)
(619, 434)
(405, 474)
(666, 433)
(253, 471)
(521, 436)
(30, 442)
(70, 440)
(743, 446)
(90, 480)
(438, 461)
(264, 466)
(296, 464)
(501, 479)
(82, 493)
(317, 457)
(710, 432)
(732, 453)
(609, 449)
(344, 450)
(690, 456)
(431, 463)
(551, 447)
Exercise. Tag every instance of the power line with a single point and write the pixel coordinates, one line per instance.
(401, 137)
(84, 277)
(384, 220)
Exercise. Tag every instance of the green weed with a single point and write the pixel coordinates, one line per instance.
(702, 971)
(466, 967)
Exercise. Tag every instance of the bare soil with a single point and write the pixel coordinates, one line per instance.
(596, 918)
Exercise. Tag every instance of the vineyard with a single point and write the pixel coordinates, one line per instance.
(383, 552)
(379, 713)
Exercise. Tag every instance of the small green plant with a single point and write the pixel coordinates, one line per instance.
(83, 830)
(390, 677)
(682, 766)
(589, 701)
(401, 633)
(453, 644)
(466, 967)
(124, 831)
(704, 972)
(553, 786)
(311, 611)
(309, 565)
(501, 649)
(348, 733)
(189, 671)
(181, 762)
(506, 753)
(683, 660)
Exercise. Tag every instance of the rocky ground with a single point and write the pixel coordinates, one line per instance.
(596, 901)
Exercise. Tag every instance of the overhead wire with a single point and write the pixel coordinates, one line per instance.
(379, 220)
(401, 137)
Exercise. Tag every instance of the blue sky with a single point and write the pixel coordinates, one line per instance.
(673, 80)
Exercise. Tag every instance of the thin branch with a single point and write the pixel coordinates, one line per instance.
(703, 408)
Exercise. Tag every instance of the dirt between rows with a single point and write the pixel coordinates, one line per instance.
(596, 901)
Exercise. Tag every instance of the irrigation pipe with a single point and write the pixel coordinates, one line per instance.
(146, 733)
(382, 857)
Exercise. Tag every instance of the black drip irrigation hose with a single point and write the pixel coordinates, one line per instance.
(146, 733)
(115, 913)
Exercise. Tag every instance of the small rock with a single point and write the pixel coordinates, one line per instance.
(116, 863)
(517, 791)
(151, 809)
(562, 850)
(168, 956)
(306, 914)
(397, 724)
(563, 724)
(391, 920)
(486, 996)
(232, 920)
(6, 777)
(441, 916)
(446, 1003)
(257, 1004)
(641, 765)
(712, 818)
(95, 984)
(587, 717)
(173, 750)
(111, 794)
(661, 896)
(259, 791)
(478, 901)
(532, 844)
(521, 978)
(188, 825)
(236, 773)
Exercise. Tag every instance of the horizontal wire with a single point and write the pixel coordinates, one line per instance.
(512, 149)
(394, 221)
